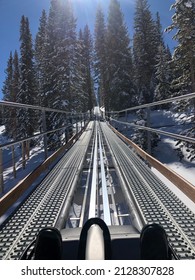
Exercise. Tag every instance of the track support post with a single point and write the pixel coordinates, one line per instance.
(1, 172)
(148, 122)
(45, 135)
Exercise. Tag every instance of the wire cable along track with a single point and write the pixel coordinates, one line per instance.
(100, 176)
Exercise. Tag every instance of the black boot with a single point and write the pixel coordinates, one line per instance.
(48, 244)
(154, 244)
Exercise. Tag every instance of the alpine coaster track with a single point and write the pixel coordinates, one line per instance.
(100, 176)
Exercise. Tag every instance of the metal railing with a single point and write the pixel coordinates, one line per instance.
(172, 135)
(156, 103)
(72, 124)
(109, 117)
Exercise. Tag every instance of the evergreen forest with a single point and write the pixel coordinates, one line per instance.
(73, 69)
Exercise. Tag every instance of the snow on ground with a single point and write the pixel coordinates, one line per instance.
(37, 156)
(166, 150)
(2, 138)
(166, 153)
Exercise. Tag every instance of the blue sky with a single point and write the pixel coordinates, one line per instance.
(12, 10)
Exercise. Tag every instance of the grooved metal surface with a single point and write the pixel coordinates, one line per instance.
(158, 204)
(43, 206)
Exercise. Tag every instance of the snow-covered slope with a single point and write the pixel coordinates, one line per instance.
(166, 150)
(167, 153)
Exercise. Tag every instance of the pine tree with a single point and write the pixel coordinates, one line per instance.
(11, 91)
(8, 92)
(1, 116)
(41, 59)
(52, 64)
(184, 64)
(16, 90)
(159, 31)
(63, 86)
(87, 68)
(71, 78)
(16, 77)
(82, 71)
(51, 91)
(100, 58)
(119, 60)
(163, 71)
(163, 75)
(57, 60)
(45, 43)
(145, 46)
(27, 93)
(184, 54)
(8, 84)
(148, 49)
